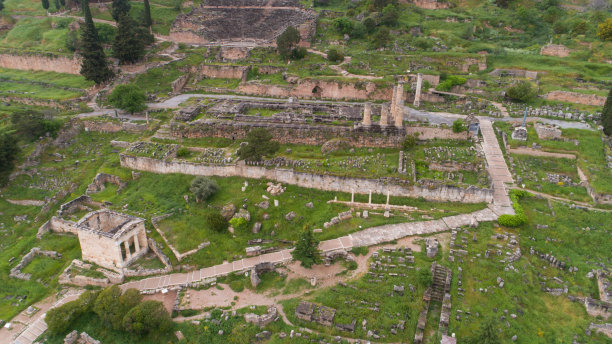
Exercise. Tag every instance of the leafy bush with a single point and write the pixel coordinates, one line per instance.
(298, 53)
(108, 308)
(390, 15)
(60, 318)
(216, 222)
(129, 98)
(351, 265)
(343, 25)
(9, 150)
(239, 223)
(459, 126)
(521, 92)
(519, 218)
(307, 251)
(409, 142)
(183, 152)
(203, 188)
(259, 144)
(381, 38)
(148, 316)
(359, 31)
(370, 24)
(334, 56)
(604, 30)
(287, 41)
(31, 125)
(237, 286)
(451, 80)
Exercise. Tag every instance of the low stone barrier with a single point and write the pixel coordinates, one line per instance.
(444, 193)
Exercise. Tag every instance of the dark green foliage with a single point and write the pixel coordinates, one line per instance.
(9, 150)
(87, 301)
(216, 222)
(334, 56)
(425, 277)
(359, 30)
(30, 125)
(72, 41)
(390, 15)
(381, 38)
(130, 299)
(45, 4)
(380, 4)
(449, 82)
(321, 2)
(203, 188)
(60, 318)
(343, 25)
(604, 30)
(370, 24)
(183, 152)
(287, 41)
(260, 144)
(1, 5)
(57, 4)
(149, 316)
(94, 66)
(409, 142)
(129, 45)
(129, 98)
(521, 92)
(459, 126)
(106, 33)
(120, 8)
(146, 16)
(606, 115)
(502, 3)
(298, 53)
(108, 308)
(519, 218)
(306, 250)
(144, 35)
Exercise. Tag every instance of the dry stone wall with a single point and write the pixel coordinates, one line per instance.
(114, 127)
(59, 64)
(316, 181)
(555, 50)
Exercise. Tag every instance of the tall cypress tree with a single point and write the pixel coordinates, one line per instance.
(606, 115)
(57, 4)
(128, 46)
(1, 5)
(94, 66)
(147, 15)
(45, 4)
(120, 8)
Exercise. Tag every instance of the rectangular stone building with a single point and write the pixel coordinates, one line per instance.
(110, 239)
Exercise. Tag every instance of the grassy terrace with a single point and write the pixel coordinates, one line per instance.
(590, 152)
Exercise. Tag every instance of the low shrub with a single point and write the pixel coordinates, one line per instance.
(519, 218)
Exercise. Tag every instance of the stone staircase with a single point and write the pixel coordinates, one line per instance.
(441, 282)
(163, 132)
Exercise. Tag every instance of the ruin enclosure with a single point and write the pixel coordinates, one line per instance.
(111, 239)
(243, 22)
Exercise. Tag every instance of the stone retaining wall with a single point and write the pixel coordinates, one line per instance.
(59, 64)
(443, 193)
(114, 127)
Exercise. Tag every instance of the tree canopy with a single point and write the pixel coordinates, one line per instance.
(259, 144)
(148, 316)
(606, 115)
(287, 41)
(120, 8)
(129, 42)
(307, 249)
(129, 98)
(522, 92)
(9, 150)
(203, 188)
(94, 66)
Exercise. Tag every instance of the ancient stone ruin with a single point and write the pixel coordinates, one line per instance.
(110, 239)
(309, 311)
(242, 22)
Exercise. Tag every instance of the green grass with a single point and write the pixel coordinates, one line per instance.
(37, 35)
(52, 78)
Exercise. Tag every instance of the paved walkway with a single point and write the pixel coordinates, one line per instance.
(38, 325)
(498, 170)
(366, 237)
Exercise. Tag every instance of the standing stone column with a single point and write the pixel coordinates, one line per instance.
(417, 94)
(367, 114)
(399, 106)
(128, 254)
(136, 244)
(384, 115)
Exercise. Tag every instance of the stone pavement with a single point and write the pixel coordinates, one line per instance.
(366, 237)
(498, 170)
(39, 326)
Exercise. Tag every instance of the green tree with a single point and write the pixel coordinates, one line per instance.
(146, 16)
(287, 41)
(130, 299)
(94, 66)
(216, 222)
(9, 150)
(148, 316)
(409, 142)
(307, 249)
(45, 4)
(343, 25)
(604, 30)
(57, 4)
(370, 24)
(459, 126)
(120, 8)
(380, 4)
(1, 5)
(30, 125)
(606, 115)
(381, 38)
(259, 144)
(390, 15)
(107, 306)
(203, 188)
(359, 30)
(521, 92)
(60, 318)
(129, 98)
(128, 46)
(486, 334)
